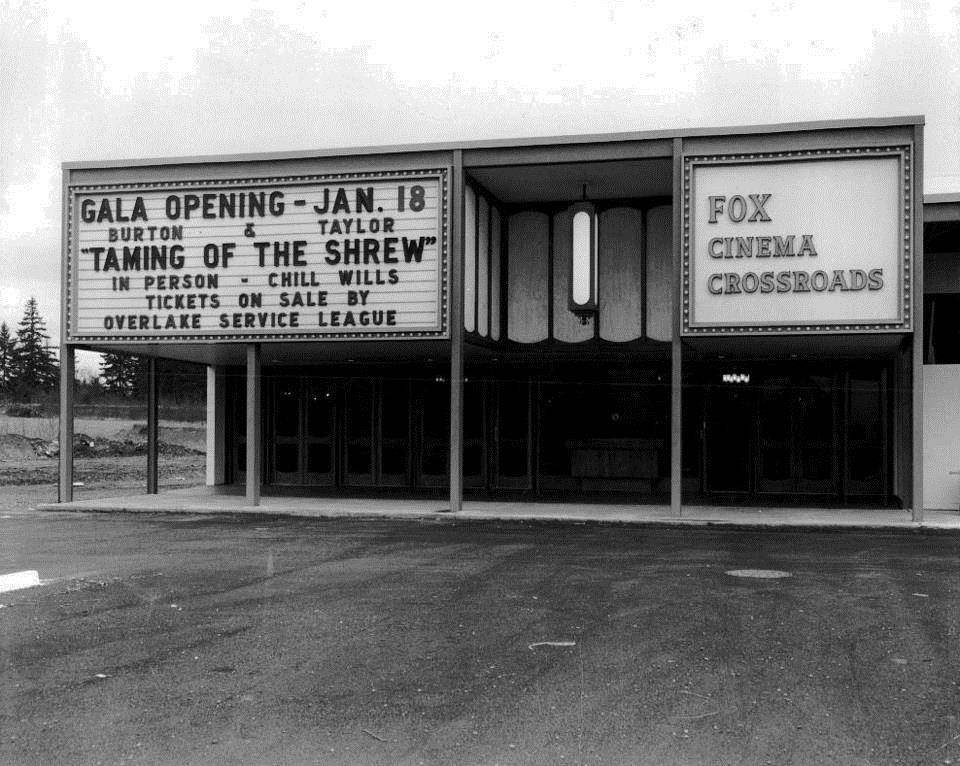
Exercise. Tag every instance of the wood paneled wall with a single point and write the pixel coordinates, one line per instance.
(482, 267)
(528, 248)
(659, 304)
(531, 274)
(470, 261)
(621, 274)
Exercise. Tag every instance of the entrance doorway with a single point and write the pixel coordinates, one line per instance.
(805, 433)
(301, 444)
(797, 436)
(728, 440)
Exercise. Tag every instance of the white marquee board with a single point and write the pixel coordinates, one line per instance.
(798, 242)
(338, 257)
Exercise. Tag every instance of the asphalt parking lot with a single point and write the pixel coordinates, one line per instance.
(196, 639)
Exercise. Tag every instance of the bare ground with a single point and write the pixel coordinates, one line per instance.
(108, 469)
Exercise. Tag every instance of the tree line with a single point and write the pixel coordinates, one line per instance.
(30, 367)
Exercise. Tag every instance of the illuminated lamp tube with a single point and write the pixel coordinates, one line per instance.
(583, 261)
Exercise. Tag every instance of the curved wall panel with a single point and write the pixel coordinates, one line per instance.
(660, 273)
(527, 282)
(621, 274)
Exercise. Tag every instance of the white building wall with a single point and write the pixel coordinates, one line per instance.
(941, 435)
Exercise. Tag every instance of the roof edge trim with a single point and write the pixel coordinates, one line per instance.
(504, 143)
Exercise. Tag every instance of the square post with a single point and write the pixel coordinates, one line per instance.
(153, 427)
(456, 336)
(914, 175)
(254, 446)
(676, 359)
(67, 363)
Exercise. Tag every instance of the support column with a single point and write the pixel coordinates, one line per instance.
(216, 426)
(676, 363)
(456, 336)
(67, 363)
(153, 427)
(676, 426)
(254, 442)
(915, 174)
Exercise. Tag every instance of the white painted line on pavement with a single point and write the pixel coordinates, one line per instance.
(552, 643)
(28, 578)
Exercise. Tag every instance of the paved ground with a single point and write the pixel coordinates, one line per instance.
(201, 639)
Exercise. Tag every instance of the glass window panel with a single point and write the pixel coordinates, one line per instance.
(866, 464)
(942, 328)
(775, 463)
(287, 458)
(775, 415)
(816, 463)
(514, 411)
(395, 409)
(319, 458)
(729, 420)
(436, 411)
(555, 402)
(359, 409)
(473, 411)
(320, 407)
(513, 460)
(434, 461)
(472, 459)
(287, 408)
(865, 422)
(393, 458)
(358, 459)
(816, 410)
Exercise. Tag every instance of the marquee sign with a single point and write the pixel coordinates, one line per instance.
(809, 241)
(355, 256)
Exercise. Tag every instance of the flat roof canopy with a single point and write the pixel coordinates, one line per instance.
(563, 182)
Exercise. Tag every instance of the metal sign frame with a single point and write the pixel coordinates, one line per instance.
(440, 331)
(904, 321)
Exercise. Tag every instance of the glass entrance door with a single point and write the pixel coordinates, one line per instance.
(728, 430)
(302, 432)
(285, 431)
(319, 433)
(394, 444)
(866, 434)
(797, 436)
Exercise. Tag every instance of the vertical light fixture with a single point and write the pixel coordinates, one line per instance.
(583, 259)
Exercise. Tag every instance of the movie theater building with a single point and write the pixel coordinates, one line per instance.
(691, 317)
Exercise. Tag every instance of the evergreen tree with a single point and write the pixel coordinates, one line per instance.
(8, 347)
(122, 374)
(35, 367)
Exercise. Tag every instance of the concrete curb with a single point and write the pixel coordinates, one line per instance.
(731, 523)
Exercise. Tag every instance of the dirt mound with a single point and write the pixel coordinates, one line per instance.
(195, 439)
(17, 447)
(84, 446)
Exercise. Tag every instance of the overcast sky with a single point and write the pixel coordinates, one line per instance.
(107, 80)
